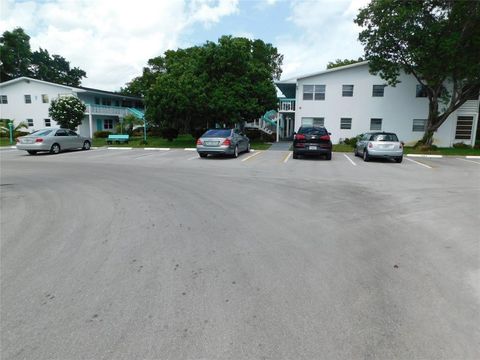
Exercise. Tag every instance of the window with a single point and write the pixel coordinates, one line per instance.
(313, 92)
(378, 90)
(375, 124)
(97, 101)
(419, 125)
(28, 99)
(384, 137)
(314, 121)
(30, 122)
(47, 123)
(72, 133)
(61, 132)
(345, 123)
(117, 103)
(347, 90)
(464, 128)
(421, 91)
(108, 124)
(217, 133)
(311, 130)
(3, 99)
(45, 98)
(106, 101)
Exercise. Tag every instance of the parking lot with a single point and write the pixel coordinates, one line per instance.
(156, 254)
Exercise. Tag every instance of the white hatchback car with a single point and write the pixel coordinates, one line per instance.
(379, 145)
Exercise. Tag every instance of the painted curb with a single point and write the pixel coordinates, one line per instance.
(472, 157)
(425, 156)
(190, 149)
(119, 148)
(7, 147)
(160, 149)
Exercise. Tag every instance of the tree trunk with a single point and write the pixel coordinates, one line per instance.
(432, 122)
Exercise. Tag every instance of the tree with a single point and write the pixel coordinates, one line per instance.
(18, 60)
(225, 82)
(339, 62)
(436, 41)
(15, 54)
(67, 111)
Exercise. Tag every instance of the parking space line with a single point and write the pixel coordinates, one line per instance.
(141, 156)
(194, 157)
(471, 161)
(419, 163)
(251, 156)
(287, 157)
(351, 161)
(119, 148)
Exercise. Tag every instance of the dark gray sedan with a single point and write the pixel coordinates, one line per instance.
(222, 141)
(53, 141)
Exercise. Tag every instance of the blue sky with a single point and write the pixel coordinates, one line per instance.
(113, 40)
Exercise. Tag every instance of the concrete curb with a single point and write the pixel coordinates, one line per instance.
(472, 157)
(425, 156)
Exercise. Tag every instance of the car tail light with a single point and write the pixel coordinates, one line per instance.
(325, 137)
(38, 140)
(299, 137)
(226, 142)
(370, 145)
(199, 142)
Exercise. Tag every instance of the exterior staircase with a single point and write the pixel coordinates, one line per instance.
(267, 123)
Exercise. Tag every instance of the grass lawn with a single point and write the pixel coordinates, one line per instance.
(6, 141)
(183, 141)
(411, 150)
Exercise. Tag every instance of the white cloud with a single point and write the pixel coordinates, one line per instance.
(327, 33)
(110, 40)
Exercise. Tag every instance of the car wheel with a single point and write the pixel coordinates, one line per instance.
(86, 145)
(32, 152)
(366, 157)
(329, 156)
(295, 156)
(399, 159)
(355, 152)
(248, 148)
(203, 155)
(235, 152)
(55, 149)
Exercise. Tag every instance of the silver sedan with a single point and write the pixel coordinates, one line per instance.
(222, 141)
(53, 141)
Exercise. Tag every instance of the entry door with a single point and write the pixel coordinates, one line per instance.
(464, 128)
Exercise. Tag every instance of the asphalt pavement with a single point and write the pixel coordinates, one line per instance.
(136, 254)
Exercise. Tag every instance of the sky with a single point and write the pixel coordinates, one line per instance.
(112, 40)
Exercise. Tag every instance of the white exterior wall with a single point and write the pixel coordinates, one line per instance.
(397, 108)
(18, 111)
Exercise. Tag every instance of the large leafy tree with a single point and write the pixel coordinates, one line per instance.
(67, 111)
(436, 41)
(340, 62)
(17, 60)
(225, 82)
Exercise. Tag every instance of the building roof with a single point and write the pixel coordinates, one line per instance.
(78, 89)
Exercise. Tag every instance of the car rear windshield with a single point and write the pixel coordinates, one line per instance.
(218, 133)
(384, 137)
(312, 131)
(41, 132)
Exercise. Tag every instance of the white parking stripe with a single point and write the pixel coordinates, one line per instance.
(287, 157)
(119, 148)
(351, 161)
(475, 162)
(141, 156)
(472, 157)
(419, 163)
(425, 156)
(251, 156)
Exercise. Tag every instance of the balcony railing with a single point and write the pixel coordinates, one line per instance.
(287, 105)
(106, 110)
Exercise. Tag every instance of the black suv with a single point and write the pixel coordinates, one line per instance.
(312, 140)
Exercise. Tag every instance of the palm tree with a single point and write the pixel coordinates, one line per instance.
(4, 129)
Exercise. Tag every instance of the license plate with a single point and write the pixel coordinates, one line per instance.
(211, 143)
(27, 141)
(312, 148)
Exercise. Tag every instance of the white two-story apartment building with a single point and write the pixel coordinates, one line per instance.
(28, 100)
(348, 101)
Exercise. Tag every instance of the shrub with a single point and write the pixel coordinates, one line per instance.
(154, 131)
(461, 145)
(169, 133)
(67, 111)
(138, 132)
(101, 134)
(198, 132)
(351, 141)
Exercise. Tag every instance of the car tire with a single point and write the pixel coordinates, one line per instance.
(366, 157)
(248, 148)
(32, 152)
(235, 152)
(328, 156)
(86, 145)
(399, 159)
(55, 149)
(356, 152)
(295, 156)
(203, 155)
